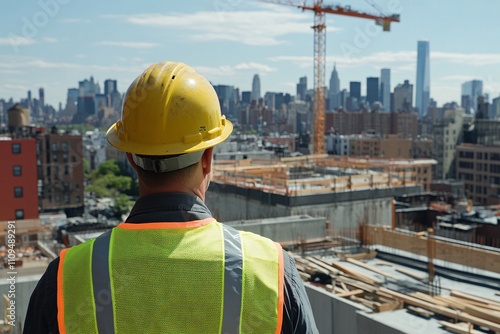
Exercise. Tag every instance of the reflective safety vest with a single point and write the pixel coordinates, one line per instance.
(189, 277)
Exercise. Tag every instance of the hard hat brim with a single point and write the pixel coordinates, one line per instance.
(114, 137)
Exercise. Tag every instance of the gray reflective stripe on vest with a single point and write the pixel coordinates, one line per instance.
(233, 264)
(232, 280)
(102, 284)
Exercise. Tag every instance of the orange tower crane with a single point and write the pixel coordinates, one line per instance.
(319, 27)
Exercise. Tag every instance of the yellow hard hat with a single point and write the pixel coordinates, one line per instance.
(169, 110)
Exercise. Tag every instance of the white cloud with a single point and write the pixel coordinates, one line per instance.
(15, 87)
(476, 59)
(49, 39)
(227, 70)
(457, 77)
(403, 60)
(399, 60)
(136, 45)
(247, 27)
(22, 63)
(254, 67)
(16, 40)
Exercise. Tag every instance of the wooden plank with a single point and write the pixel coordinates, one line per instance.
(473, 303)
(411, 274)
(451, 303)
(368, 303)
(389, 306)
(420, 311)
(482, 313)
(323, 264)
(355, 274)
(356, 284)
(428, 298)
(462, 316)
(351, 293)
(461, 328)
(483, 300)
(371, 268)
(477, 311)
(338, 290)
(305, 276)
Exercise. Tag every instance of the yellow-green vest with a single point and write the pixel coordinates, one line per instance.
(188, 277)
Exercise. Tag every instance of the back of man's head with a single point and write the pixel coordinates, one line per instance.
(170, 116)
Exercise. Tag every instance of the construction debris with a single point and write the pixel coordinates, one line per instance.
(344, 281)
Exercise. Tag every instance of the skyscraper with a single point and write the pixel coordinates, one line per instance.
(302, 88)
(354, 99)
(41, 97)
(256, 87)
(372, 93)
(471, 90)
(423, 85)
(385, 88)
(355, 90)
(333, 92)
(403, 95)
(110, 86)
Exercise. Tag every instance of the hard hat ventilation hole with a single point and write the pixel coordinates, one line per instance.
(173, 77)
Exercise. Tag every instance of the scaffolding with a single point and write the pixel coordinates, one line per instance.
(317, 174)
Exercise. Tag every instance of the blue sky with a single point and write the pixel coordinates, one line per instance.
(56, 43)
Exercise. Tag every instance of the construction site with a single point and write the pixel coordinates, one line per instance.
(364, 270)
(364, 274)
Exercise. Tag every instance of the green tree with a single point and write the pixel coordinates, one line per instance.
(86, 166)
(122, 205)
(107, 167)
(107, 181)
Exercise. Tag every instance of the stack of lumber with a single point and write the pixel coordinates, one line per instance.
(465, 312)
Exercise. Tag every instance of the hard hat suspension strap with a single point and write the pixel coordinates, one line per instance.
(167, 164)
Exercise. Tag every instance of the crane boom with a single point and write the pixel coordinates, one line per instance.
(318, 146)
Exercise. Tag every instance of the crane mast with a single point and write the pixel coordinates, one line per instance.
(318, 136)
(319, 81)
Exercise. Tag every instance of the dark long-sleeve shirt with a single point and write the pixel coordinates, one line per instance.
(169, 207)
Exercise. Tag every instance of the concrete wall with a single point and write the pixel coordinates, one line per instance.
(336, 315)
(24, 287)
(285, 229)
(349, 215)
(367, 324)
(333, 315)
(342, 210)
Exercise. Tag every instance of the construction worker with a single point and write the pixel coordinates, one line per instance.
(171, 267)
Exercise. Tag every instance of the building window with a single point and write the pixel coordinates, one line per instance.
(16, 148)
(64, 146)
(17, 170)
(66, 199)
(54, 147)
(20, 214)
(18, 192)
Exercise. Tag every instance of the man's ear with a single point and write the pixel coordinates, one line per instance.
(131, 161)
(206, 161)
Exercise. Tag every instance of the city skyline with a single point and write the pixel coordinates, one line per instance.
(422, 83)
(54, 44)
